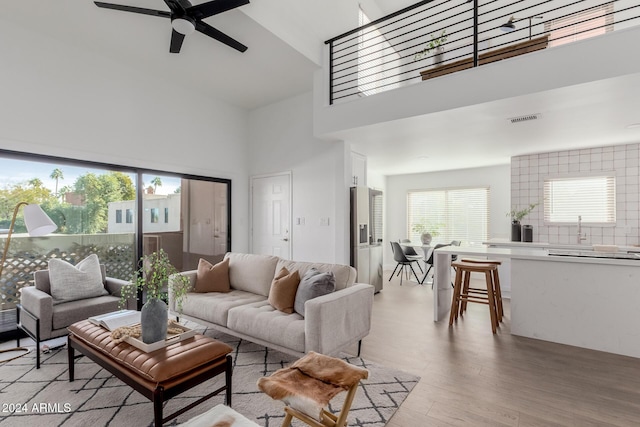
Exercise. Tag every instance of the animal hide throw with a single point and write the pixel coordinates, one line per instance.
(311, 382)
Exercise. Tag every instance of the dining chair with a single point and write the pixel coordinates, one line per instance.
(429, 261)
(411, 253)
(402, 262)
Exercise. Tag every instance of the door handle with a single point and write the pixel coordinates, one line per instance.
(286, 239)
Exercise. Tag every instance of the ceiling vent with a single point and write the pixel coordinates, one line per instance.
(526, 118)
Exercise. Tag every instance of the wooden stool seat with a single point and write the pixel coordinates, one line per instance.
(462, 293)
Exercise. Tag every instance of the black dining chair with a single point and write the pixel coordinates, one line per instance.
(402, 262)
(411, 253)
(429, 261)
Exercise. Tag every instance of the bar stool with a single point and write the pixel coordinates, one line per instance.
(463, 275)
(496, 286)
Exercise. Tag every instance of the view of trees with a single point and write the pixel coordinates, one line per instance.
(85, 211)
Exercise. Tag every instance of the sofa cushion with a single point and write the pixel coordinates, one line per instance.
(345, 275)
(74, 311)
(251, 272)
(262, 321)
(70, 283)
(214, 306)
(283, 290)
(314, 284)
(212, 278)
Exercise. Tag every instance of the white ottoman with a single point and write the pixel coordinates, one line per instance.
(219, 416)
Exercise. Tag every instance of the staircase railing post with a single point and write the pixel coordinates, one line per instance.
(475, 33)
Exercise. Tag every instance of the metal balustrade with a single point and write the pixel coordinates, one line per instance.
(436, 37)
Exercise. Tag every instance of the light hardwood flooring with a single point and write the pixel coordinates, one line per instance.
(471, 377)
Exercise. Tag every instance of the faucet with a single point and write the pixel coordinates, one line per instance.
(581, 236)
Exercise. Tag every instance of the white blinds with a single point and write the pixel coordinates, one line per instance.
(593, 198)
(453, 214)
(582, 25)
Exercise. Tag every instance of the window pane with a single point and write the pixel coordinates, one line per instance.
(592, 198)
(451, 214)
(78, 199)
(119, 216)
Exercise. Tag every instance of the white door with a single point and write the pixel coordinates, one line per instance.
(271, 215)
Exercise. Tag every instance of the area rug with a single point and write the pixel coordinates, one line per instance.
(30, 397)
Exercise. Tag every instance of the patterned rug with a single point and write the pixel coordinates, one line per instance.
(30, 397)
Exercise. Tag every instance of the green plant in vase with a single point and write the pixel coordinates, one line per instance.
(153, 279)
(517, 216)
(435, 44)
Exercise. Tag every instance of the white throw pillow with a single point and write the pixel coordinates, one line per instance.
(69, 283)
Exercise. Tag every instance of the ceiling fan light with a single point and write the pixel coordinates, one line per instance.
(183, 26)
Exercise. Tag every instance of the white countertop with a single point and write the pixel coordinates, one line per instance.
(532, 253)
(546, 245)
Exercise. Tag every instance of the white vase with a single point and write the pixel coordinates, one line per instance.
(438, 56)
(425, 238)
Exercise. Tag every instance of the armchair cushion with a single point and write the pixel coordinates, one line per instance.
(70, 283)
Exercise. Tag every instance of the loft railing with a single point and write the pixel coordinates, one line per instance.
(437, 37)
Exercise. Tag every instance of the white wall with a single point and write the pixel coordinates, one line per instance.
(281, 140)
(527, 186)
(496, 177)
(62, 101)
(574, 63)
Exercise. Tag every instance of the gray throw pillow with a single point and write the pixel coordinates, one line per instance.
(313, 284)
(70, 283)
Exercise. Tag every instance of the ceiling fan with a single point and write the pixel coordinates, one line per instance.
(186, 18)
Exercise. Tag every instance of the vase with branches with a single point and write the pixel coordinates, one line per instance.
(434, 45)
(517, 215)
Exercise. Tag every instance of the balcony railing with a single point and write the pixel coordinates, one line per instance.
(437, 37)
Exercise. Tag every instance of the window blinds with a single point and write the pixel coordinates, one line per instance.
(582, 25)
(449, 214)
(593, 198)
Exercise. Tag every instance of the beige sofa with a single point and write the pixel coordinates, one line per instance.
(332, 322)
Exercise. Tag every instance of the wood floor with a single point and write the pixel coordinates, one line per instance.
(471, 377)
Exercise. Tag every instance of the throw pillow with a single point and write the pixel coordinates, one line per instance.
(282, 294)
(313, 284)
(70, 283)
(212, 278)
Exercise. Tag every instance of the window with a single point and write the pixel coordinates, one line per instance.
(593, 198)
(118, 216)
(154, 215)
(166, 215)
(374, 76)
(129, 216)
(582, 25)
(449, 214)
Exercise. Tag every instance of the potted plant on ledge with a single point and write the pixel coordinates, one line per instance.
(516, 217)
(435, 45)
(153, 278)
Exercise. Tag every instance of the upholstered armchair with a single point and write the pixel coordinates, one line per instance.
(42, 319)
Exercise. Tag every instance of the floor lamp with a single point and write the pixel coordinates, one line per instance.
(38, 223)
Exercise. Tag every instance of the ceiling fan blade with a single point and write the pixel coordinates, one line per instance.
(176, 41)
(133, 9)
(220, 36)
(178, 6)
(204, 10)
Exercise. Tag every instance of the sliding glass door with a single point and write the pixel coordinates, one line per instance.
(97, 209)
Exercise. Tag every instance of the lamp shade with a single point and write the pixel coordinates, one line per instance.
(37, 222)
(508, 26)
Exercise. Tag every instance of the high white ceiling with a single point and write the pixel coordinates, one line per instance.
(271, 70)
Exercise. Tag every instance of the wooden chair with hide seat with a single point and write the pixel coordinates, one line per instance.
(309, 384)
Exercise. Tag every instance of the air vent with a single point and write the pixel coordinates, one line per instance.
(526, 118)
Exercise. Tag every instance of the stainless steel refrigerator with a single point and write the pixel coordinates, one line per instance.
(366, 235)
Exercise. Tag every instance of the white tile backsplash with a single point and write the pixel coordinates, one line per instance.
(529, 172)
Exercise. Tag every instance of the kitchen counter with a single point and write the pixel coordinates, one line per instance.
(581, 301)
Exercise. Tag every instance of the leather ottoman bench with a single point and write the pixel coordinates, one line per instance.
(158, 375)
